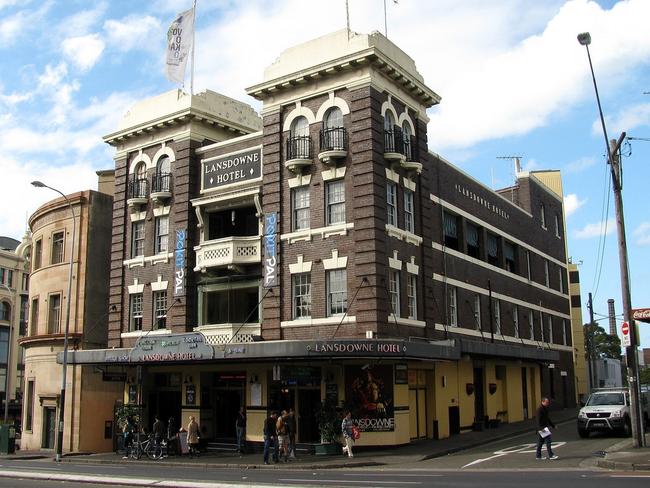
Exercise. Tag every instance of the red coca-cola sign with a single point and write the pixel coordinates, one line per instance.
(641, 314)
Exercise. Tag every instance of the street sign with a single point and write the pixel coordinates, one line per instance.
(641, 314)
(625, 330)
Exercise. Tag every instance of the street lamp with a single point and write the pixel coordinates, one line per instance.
(59, 436)
(612, 149)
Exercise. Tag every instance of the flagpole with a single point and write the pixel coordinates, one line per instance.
(385, 21)
(193, 37)
(347, 16)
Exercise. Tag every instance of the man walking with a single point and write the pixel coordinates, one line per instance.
(270, 437)
(544, 426)
(346, 429)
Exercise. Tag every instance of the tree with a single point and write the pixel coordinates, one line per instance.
(599, 344)
(644, 376)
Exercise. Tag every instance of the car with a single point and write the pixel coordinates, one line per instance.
(608, 410)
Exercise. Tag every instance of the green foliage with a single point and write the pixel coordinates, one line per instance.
(124, 411)
(329, 422)
(644, 376)
(599, 344)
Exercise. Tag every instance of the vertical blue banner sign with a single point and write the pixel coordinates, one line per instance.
(270, 249)
(179, 263)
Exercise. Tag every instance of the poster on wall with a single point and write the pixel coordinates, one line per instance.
(369, 395)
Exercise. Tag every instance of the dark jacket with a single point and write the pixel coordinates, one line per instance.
(543, 420)
(241, 420)
(269, 427)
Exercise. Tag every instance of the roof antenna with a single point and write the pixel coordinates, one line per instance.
(517, 167)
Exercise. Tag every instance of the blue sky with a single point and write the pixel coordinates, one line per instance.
(513, 81)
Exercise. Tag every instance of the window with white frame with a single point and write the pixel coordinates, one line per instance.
(452, 297)
(542, 214)
(531, 323)
(300, 214)
(54, 314)
(393, 291)
(57, 247)
(560, 272)
(389, 132)
(412, 295)
(407, 136)
(391, 203)
(160, 309)
(564, 341)
(162, 234)
(477, 311)
(337, 292)
(496, 309)
(33, 317)
(301, 285)
(335, 202)
(557, 226)
(37, 254)
(137, 238)
(515, 320)
(550, 329)
(409, 217)
(450, 230)
(547, 276)
(135, 312)
(528, 270)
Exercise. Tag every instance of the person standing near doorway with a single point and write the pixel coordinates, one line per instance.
(240, 428)
(291, 428)
(193, 437)
(270, 437)
(544, 426)
(283, 435)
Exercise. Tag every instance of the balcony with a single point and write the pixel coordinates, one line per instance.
(137, 191)
(219, 334)
(410, 161)
(333, 145)
(394, 145)
(298, 152)
(228, 251)
(161, 187)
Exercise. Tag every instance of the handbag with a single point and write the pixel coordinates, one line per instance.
(356, 433)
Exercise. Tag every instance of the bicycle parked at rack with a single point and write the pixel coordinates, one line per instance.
(146, 444)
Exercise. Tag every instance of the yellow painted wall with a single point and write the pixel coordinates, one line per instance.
(446, 394)
(514, 404)
(97, 402)
(492, 402)
(465, 401)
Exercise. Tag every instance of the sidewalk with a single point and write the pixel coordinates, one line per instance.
(363, 457)
(626, 458)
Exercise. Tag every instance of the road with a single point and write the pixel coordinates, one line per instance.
(502, 464)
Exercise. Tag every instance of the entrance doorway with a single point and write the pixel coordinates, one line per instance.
(49, 427)
(227, 394)
(417, 413)
(308, 403)
(524, 391)
(479, 395)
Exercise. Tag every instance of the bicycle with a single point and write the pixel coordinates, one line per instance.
(152, 449)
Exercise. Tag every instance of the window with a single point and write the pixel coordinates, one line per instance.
(5, 311)
(550, 329)
(162, 234)
(564, 323)
(530, 274)
(477, 311)
(531, 322)
(33, 320)
(160, 309)
(7, 277)
(230, 303)
(38, 251)
(299, 143)
(450, 229)
(409, 220)
(29, 410)
(496, 310)
(57, 247)
(542, 215)
(337, 292)
(335, 201)
(472, 240)
(557, 226)
(54, 314)
(547, 277)
(137, 239)
(452, 295)
(510, 256)
(333, 132)
(515, 320)
(135, 312)
(406, 134)
(301, 295)
(333, 118)
(412, 296)
(393, 291)
(164, 166)
(300, 204)
(560, 272)
(389, 132)
(492, 249)
(391, 202)
(25, 282)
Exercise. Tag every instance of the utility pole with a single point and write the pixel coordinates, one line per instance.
(590, 342)
(630, 351)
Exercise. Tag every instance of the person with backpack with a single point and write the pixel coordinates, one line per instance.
(283, 435)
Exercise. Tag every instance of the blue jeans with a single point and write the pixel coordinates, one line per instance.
(268, 441)
(543, 440)
(241, 436)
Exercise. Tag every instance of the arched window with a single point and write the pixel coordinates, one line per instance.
(299, 143)
(389, 132)
(161, 180)
(389, 121)
(138, 185)
(333, 135)
(141, 170)
(406, 134)
(164, 166)
(5, 311)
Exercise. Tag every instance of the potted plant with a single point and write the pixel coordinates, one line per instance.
(329, 424)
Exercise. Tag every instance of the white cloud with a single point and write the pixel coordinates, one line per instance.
(83, 51)
(14, 27)
(572, 203)
(596, 229)
(579, 165)
(626, 120)
(81, 23)
(642, 234)
(133, 31)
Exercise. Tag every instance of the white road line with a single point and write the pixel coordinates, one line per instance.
(629, 475)
(374, 482)
(395, 475)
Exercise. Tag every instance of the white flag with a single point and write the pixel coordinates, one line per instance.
(179, 43)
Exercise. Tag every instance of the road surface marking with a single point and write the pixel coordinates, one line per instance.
(312, 480)
(519, 449)
(395, 474)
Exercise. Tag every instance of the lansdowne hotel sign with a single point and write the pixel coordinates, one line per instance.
(231, 169)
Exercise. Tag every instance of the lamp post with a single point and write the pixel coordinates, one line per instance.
(59, 436)
(631, 352)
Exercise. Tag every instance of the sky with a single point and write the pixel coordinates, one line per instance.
(513, 79)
